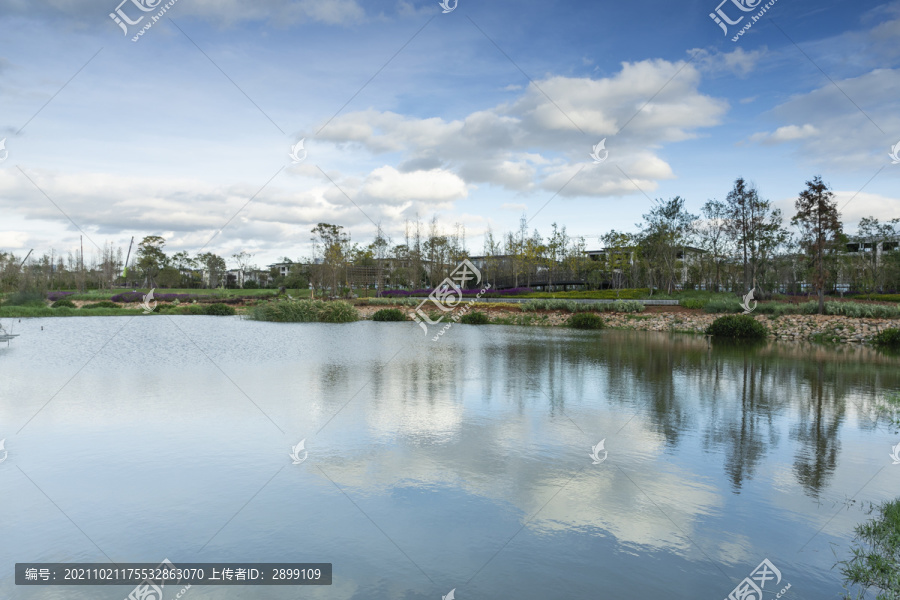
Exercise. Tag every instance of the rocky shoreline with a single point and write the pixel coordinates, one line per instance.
(820, 328)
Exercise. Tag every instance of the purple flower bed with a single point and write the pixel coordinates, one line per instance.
(466, 293)
(54, 296)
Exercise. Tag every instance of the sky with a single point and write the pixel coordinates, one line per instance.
(477, 116)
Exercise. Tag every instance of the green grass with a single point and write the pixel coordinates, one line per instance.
(30, 299)
(338, 311)
(847, 309)
(304, 311)
(876, 555)
(101, 304)
(287, 311)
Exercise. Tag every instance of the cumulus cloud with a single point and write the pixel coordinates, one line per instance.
(188, 212)
(538, 140)
(844, 124)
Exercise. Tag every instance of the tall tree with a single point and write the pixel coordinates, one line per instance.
(712, 235)
(664, 235)
(214, 266)
(753, 226)
(335, 247)
(151, 258)
(243, 259)
(819, 223)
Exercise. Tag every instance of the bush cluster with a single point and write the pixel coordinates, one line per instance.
(63, 303)
(889, 338)
(693, 303)
(304, 311)
(475, 318)
(743, 327)
(578, 307)
(218, 310)
(585, 321)
(32, 299)
(389, 314)
(338, 312)
(101, 304)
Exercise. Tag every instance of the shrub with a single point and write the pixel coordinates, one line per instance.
(218, 310)
(389, 314)
(63, 303)
(338, 311)
(475, 318)
(721, 305)
(34, 299)
(692, 303)
(856, 309)
(585, 321)
(287, 311)
(742, 327)
(889, 338)
(101, 304)
(627, 306)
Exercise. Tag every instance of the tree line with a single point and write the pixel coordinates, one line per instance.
(736, 244)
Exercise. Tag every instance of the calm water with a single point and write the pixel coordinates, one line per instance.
(461, 464)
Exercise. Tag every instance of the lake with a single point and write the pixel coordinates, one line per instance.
(465, 464)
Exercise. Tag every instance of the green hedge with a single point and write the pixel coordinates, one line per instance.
(693, 303)
(389, 314)
(577, 307)
(218, 309)
(742, 327)
(29, 299)
(338, 311)
(102, 304)
(63, 303)
(585, 321)
(304, 311)
(475, 318)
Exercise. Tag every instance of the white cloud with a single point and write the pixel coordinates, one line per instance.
(537, 140)
(788, 133)
(739, 61)
(854, 205)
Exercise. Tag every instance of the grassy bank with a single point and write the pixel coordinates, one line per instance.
(875, 565)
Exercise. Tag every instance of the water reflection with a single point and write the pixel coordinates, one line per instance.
(718, 455)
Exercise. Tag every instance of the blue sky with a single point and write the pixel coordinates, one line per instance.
(482, 114)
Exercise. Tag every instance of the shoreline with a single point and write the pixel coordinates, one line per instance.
(833, 329)
(829, 329)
